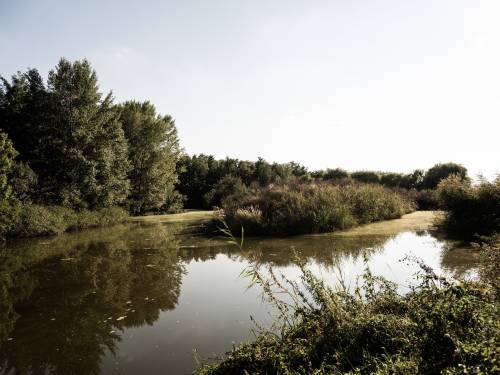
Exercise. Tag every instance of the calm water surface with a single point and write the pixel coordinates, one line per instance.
(142, 298)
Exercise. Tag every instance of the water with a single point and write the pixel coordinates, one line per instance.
(140, 298)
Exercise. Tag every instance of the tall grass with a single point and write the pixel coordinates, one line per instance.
(311, 208)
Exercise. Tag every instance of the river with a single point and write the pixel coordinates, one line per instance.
(151, 297)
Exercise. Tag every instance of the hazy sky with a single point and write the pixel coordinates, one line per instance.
(385, 85)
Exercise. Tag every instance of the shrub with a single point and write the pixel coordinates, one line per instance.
(226, 186)
(368, 177)
(311, 208)
(335, 174)
(9, 216)
(427, 199)
(471, 209)
(36, 220)
(439, 172)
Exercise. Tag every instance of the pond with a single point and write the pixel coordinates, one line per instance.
(152, 297)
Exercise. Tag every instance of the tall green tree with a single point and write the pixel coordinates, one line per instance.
(24, 116)
(439, 172)
(7, 155)
(85, 146)
(9, 208)
(153, 150)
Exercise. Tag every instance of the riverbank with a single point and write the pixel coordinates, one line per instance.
(187, 216)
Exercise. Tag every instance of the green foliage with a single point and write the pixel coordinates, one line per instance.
(367, 177)
(23, 181)
(153, 151)
(9, 206)
(335, 174)
(36, 220)
(199, 175)
(471, 209)
(311, 208)
(9, 216)
(427, 199)
(7, 155)
(441, 171)
(227, 186)
(25, 111)
(68, 134)
(391, 179)
(88, 150)
(441, 326)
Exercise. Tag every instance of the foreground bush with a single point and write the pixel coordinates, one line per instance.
(311, 208)
(471, 209)
(35, 220)
(440, 327)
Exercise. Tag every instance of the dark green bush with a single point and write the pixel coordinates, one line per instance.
(439, 172)
(367, 177)
(335, 174)
(471, 209)
(311, 208)
(36, 220)
(227, 186)
(427, 199)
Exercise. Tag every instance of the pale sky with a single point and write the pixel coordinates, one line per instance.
(382, 85)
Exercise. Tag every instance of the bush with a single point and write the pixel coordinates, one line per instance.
(439, 172)
(471, 209)
(36, 220)
(311, 208)
(440, 327)
(427, 200)
(368, 177)
(226, 187)
(10, 210)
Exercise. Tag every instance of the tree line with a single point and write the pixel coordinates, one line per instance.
(65, 143)
(204, 180)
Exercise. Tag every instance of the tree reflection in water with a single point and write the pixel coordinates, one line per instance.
(61, 314)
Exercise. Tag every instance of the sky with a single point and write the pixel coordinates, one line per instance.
(379, 85)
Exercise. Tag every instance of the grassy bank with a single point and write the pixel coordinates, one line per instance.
(440, 327)
(311, 208)
(187, 216)
(35, 220)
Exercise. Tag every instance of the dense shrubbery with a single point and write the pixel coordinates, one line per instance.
(440, 327)
(470, 209)
(311, 208)
(34, 220)
(200, 176)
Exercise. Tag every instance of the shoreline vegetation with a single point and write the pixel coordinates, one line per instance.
(441, 326)
(311, 208)
(71, 158)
